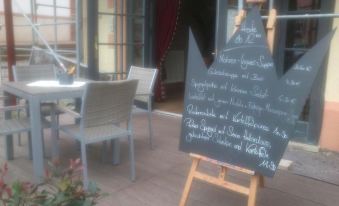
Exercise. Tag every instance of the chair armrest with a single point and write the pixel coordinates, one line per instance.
(69, 111)
(11, 108)
(144, 94)
(3, 97)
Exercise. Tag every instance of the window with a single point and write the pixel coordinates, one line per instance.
(121, 37)
(301, 34)
(293, 39)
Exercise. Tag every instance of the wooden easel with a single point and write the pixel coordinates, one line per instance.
(251, 191)
(256, 180)
(270, 26)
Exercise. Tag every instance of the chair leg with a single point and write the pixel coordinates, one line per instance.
(104, 151)
(19, 140)
(30, 154)
(150, 125)
(84, 164)
(55, 139)
(131, 157)
(19, 135)
(57, 130)
(77, 145)
(43, 143)
(115, 144)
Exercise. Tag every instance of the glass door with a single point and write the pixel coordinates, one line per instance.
(121, 37)
(294, 38)
(301, 34)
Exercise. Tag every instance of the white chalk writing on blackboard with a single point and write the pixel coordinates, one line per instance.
(240, 110)
(301, 67)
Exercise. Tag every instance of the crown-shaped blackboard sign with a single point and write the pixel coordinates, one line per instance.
(239, 111)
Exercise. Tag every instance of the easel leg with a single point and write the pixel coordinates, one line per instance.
(261, 181)
(223, 173)
(252, 197)
(271, 28)
(189, 181)
(238, 19)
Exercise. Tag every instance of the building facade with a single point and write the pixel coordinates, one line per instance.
(119, 33)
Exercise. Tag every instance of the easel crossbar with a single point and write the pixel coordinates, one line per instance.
(251, 191)
(224, 184)
(223, 164)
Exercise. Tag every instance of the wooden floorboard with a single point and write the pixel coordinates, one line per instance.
(161, 173)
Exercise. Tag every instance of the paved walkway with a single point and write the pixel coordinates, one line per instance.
(161, 174)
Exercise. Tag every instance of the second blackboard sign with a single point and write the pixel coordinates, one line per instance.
(239, 111)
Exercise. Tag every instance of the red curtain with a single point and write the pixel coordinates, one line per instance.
(167, 12)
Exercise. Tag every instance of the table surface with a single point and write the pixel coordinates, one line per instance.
(23, 89)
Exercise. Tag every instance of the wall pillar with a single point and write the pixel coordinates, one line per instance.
(329, 137)
(9, 37)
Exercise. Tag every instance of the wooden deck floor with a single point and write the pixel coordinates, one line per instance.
(161, 174)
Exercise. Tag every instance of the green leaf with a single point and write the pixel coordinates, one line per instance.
(87, 203)
(92, 187)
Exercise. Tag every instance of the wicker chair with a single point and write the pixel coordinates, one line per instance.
(147, 78)
(40, 57)
(101, 120)
(15, 125)
(33, 73)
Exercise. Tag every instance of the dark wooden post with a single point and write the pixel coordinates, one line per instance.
(10, 63)
(9, 37)
(92, 38)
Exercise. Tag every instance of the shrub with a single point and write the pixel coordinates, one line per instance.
(61, 187)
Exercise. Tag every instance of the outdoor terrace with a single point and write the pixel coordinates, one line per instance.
(161, 173)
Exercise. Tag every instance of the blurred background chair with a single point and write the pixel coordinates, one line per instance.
(10, 126)
(103, 120)
(40, 57)
(13, 123)
(34, 72)
(144, 95)
(30, 73)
